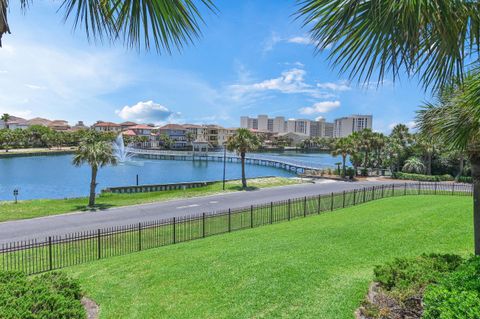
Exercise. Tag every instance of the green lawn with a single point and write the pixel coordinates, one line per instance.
(317, 267)
(44, 207)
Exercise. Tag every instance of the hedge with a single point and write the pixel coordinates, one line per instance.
(423, 178)
(48, 296)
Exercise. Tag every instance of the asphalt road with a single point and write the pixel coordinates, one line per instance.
(39, 228)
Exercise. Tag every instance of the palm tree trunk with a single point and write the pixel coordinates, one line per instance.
(244, 179)
(475, 162)
(93, 185)
(344, 171)
(460, 168)
(429, 164)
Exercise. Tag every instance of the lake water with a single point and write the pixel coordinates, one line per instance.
(54, 176)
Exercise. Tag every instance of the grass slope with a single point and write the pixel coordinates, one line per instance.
(318, 267)
(44, 207)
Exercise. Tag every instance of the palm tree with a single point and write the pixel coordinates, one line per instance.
(434, 40)
(160, 23)
(97, 154)
(243, 142)
(455, 122)
(5, 118)
(414, 165)
(343, 147)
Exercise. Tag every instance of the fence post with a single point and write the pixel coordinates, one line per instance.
(203, 225)
(229, 220)
(331, 202)
(271, 212)
(373, 192)
(383, 188)
(364, 194)
(174, 232)
(453, 188)
(305, 207)
(435, 185)
(343, 205)
(50, 258)
(354, 197)
(251, 216)
(405, 189)
(289, 208)
(99, 245)
(319, 202)
(393, 190)
(418, 188)
(139, 236)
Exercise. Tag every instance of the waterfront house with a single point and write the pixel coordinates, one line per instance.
(177, 134)
(101, 126)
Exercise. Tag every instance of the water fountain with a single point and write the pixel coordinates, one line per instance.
(122, 153)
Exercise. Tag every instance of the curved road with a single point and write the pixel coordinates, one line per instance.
(39, 228)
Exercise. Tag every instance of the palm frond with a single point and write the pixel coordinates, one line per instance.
(378, 38)
(162, 24)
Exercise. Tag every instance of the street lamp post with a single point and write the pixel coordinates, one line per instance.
(224, 163)
(15, 193)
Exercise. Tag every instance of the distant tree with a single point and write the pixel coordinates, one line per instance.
(5, 118)
(166, 141)
(343, 147)
(414, 165)
(243, 142)
(97, 154)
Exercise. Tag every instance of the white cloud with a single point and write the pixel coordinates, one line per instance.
(59, 82)
(338, 86)
(319, 118)
(35, 87)
(291, 81)
(146, 112)
(300, 40)
(320, 107)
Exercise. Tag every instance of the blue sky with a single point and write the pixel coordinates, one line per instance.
(253, 58)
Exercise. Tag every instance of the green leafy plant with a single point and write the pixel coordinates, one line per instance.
(48, 296)
(457, 295)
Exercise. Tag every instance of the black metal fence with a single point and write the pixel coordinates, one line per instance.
(36, 256)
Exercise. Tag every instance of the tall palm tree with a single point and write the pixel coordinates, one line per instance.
(342, 147)
(434, 40)
(243, 142)
(5, 118)
(455, 122)
(163, 24)
(97, 154)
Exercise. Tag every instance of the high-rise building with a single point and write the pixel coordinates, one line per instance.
(279, 125)
(345, 126)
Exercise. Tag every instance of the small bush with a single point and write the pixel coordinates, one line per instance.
(423, 178)
(465, 179)
(48, 296)
(457, 295)
(408, 276)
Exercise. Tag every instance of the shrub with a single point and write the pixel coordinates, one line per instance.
(457, 295)
(422, 178)
(465, 179)
(405, 276)
(48, 296)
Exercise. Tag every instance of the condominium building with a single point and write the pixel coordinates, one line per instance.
(345, 126)
(278, 124)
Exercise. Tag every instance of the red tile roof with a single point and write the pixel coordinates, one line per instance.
(140, 127)
(105, 124)
(172, 127)
(129, 133)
